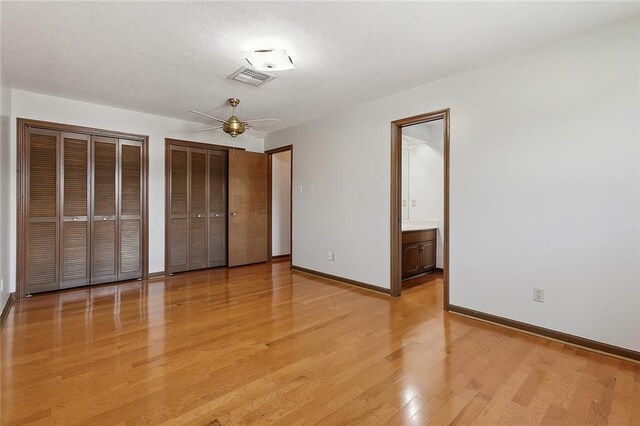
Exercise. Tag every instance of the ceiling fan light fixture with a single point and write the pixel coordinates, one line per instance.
(233, 127)
(269, 60)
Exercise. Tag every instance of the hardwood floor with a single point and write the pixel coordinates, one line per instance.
(260, 344)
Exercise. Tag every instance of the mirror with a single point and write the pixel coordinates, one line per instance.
(423, 172)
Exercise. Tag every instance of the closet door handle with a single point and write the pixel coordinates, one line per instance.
(104, 218)
(232, 214)
(199, 215)
(75, 219)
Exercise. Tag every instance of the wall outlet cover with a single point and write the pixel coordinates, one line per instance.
(538, 295)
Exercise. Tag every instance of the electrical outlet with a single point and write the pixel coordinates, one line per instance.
(331, 256)
(538, 295)
(413, 203)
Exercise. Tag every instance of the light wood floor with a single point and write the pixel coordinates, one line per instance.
(260, 344)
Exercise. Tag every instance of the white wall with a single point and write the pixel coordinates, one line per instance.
(405, 182)
(425, 164)
(49, 108)
(544, 186)
(281, 203)
(5, 194)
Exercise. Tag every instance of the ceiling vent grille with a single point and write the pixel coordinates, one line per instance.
(251, 76)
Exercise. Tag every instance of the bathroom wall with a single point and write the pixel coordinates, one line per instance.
(281, 203)
(424, 149)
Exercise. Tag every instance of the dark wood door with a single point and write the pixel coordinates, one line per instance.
(75, 223)
(217, 208)
(198, 180)
(43, 211)
(104, 232)
(411, 256)
(248, 208)
(130, 210)
(178, 209)
(427, 256)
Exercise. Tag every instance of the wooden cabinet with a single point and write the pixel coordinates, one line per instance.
(82, 207)
(418, 252)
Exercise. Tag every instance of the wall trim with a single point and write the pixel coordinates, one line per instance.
(592, 345)
(7, 307)
(156, 274)
(280, 256)
(342, 280)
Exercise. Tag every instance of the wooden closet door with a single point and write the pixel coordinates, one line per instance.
(130, 210)
(43, 210)
(178, 209)
(248, 208)
(75, 195)
(104, 228)
(217, 208)
(198, 177)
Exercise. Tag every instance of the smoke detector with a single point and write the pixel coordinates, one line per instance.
(251, 76)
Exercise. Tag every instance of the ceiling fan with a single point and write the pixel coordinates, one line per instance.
(233, 126)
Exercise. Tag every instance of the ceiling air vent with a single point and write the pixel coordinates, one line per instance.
(251, 76)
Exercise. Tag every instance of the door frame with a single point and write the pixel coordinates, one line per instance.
(22, 127)
(396, 198)
(270, 153)
(168, 143)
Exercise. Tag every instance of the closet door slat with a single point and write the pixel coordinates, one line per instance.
(130, 210)
(217, 208)
(197, 208)
(43, 210)
(179, 218)
(75, 246)
(104, 233)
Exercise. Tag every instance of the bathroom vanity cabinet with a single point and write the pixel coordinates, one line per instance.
(418, 252)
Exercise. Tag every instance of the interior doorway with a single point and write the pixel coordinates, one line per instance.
(420, 199)
(280, 202)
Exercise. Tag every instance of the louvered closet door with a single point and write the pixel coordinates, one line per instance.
(217, 208)
(198, 177)
(179, 219)
(43, 210)
(130, 215)
(104, 232)
(76, 194)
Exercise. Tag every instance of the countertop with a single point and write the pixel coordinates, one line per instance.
(419, 225)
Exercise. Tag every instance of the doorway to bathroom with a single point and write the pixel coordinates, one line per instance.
(420, 201)
(280, 202)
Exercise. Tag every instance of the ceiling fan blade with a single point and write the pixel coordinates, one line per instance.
(277, 120)
(207, 115)
(207, 129)
(251, 129)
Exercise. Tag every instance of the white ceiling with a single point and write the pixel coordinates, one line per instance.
(167, 58)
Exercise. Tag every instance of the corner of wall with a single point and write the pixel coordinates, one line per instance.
(5, 192)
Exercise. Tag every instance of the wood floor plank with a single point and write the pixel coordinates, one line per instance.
(264, 345)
